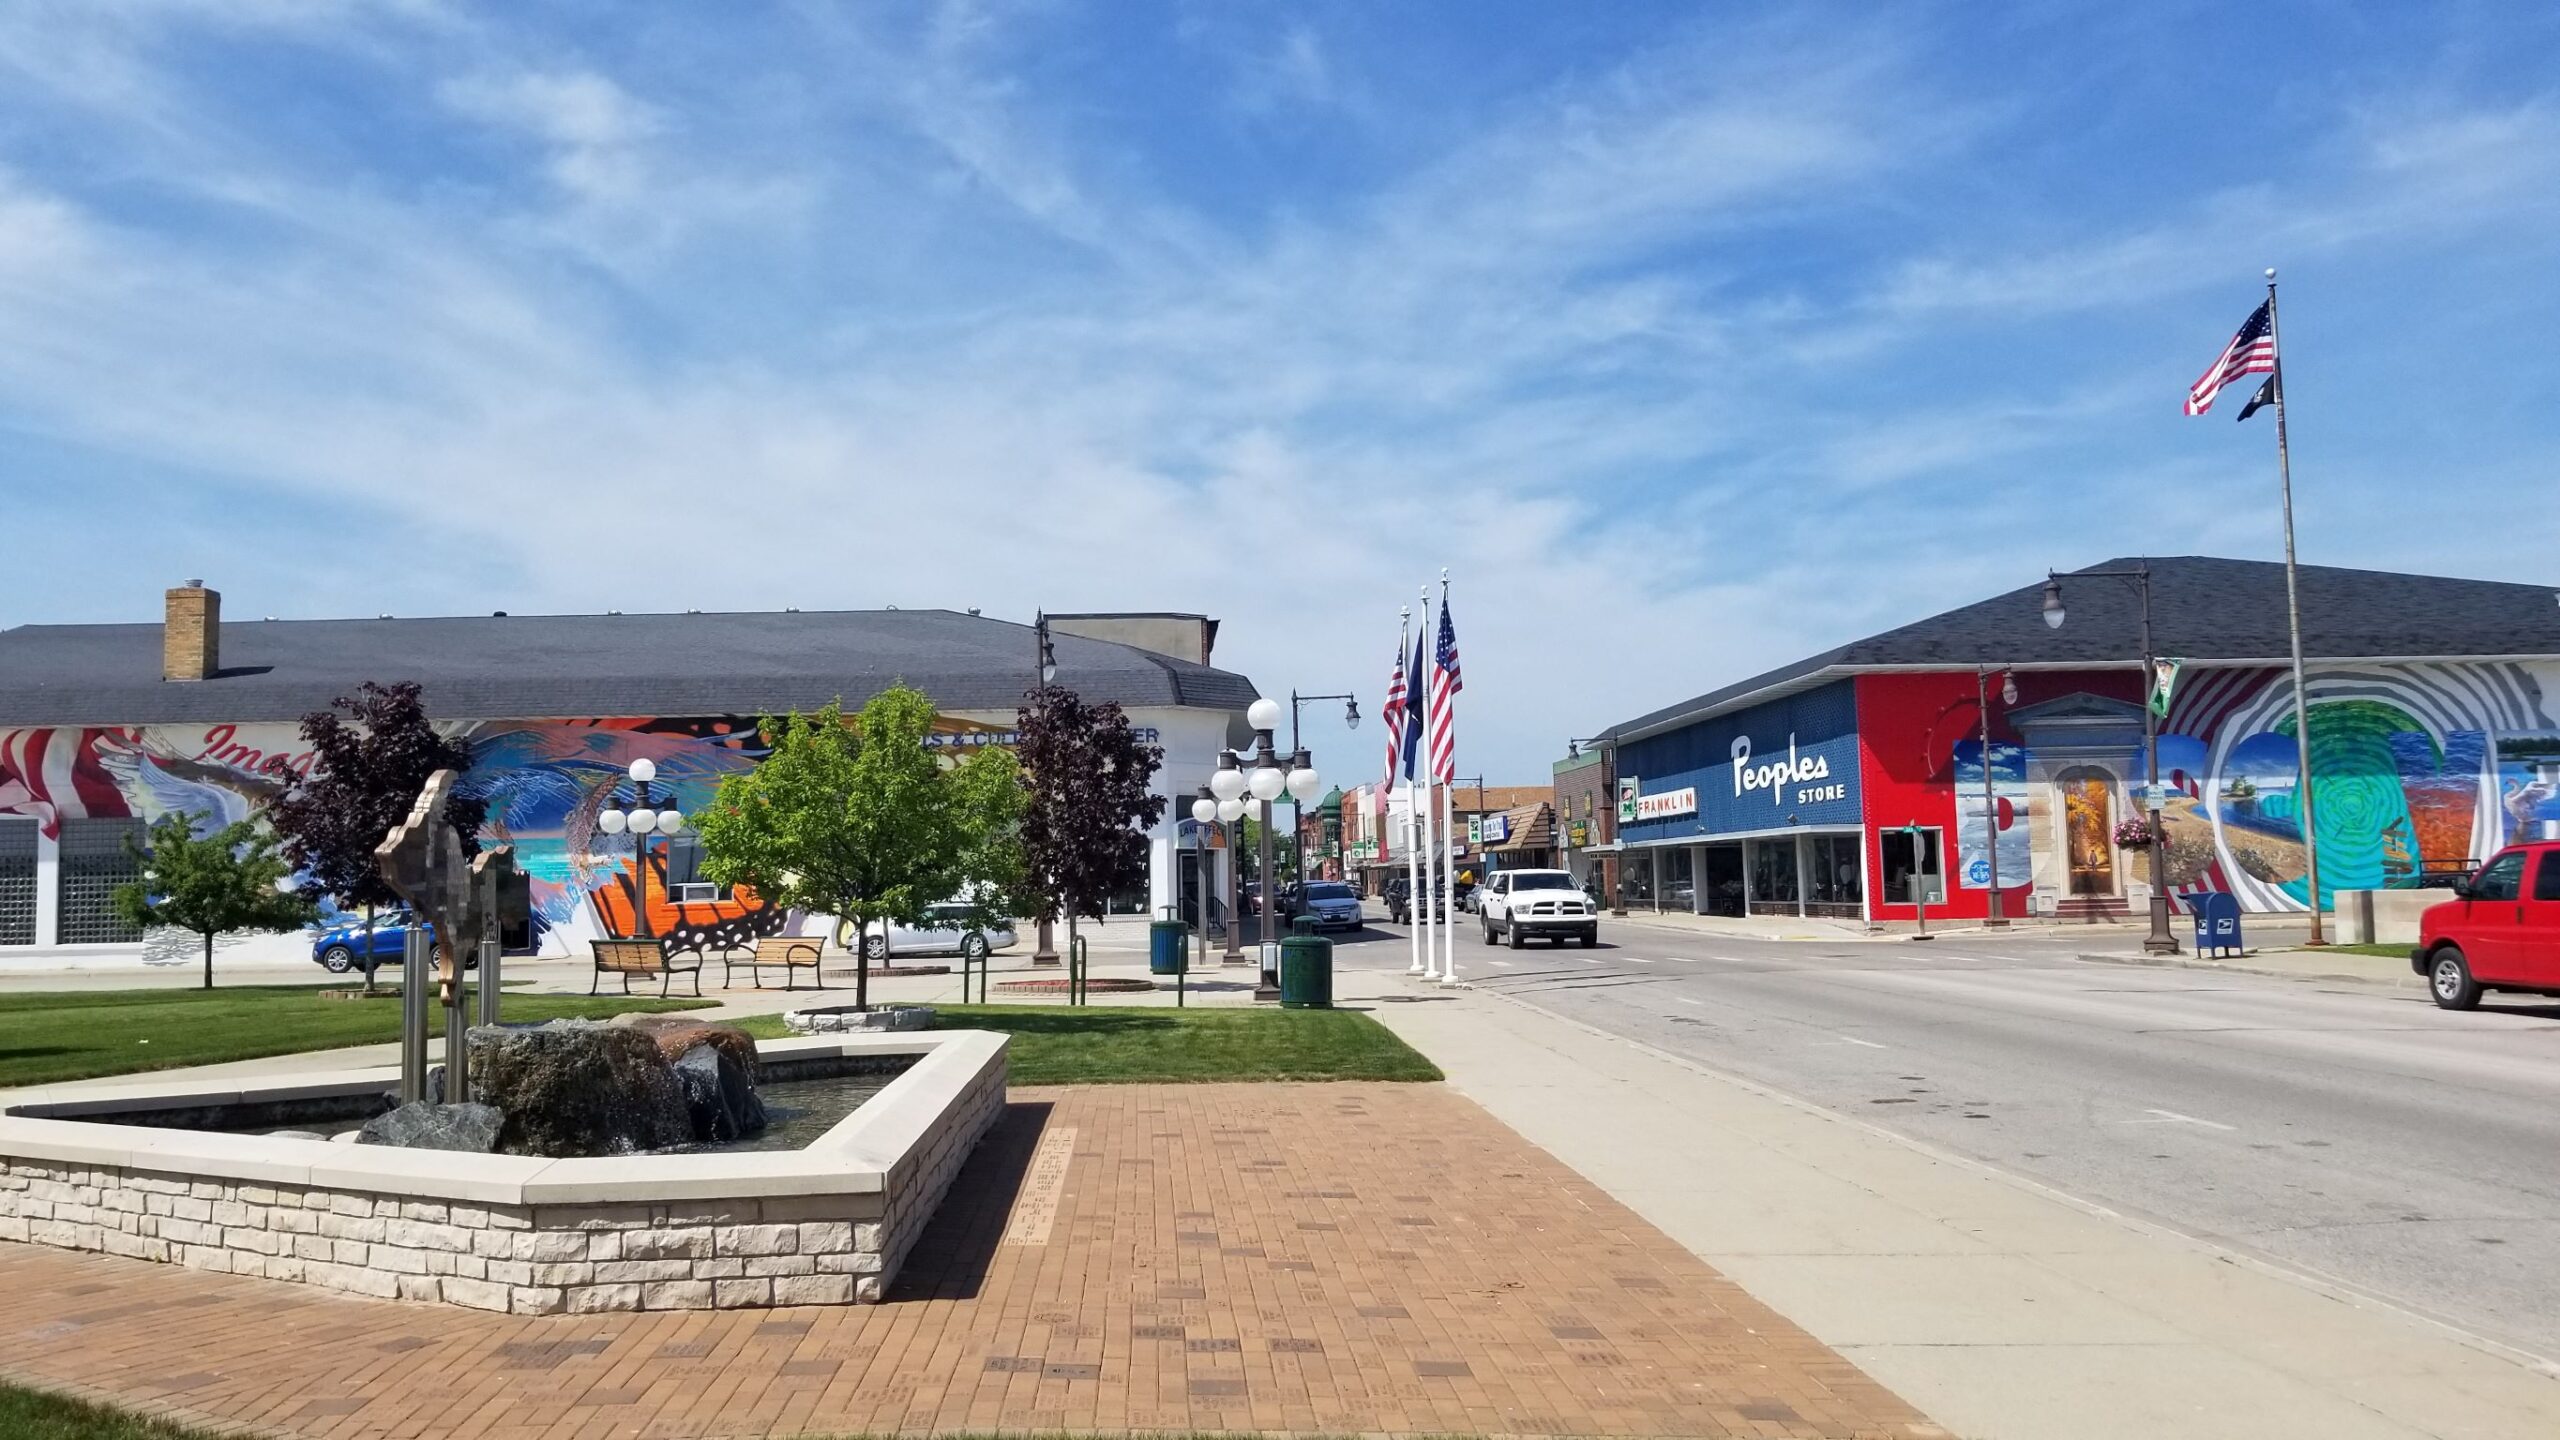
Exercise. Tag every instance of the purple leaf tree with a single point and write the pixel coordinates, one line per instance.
(375, 750)
(1090, 778)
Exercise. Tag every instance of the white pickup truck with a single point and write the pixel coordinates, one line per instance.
(1517, 904)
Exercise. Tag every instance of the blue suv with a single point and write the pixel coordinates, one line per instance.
(343, 948)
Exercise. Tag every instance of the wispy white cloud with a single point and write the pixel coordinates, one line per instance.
(1642, 358)
(591, 128)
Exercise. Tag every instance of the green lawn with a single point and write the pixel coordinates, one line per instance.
(76, 1034)
(34, 1415)
(1086, 1045)
(2395, 952)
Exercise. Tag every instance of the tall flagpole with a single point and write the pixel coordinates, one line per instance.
(1425, 913)
(1448, 821)
(1412, 834)
(2293, 616)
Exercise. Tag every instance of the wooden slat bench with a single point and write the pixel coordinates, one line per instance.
(792, 952)
(644, 957)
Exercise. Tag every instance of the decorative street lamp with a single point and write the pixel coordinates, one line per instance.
(2160, 941)
(1271, 776)
(1227, 786)
(1999, 917)
(640, 822)
(1298, 803)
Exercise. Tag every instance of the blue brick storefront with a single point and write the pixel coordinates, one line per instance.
(1756, 812)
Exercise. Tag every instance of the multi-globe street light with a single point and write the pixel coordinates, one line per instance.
(640, 822)
(1271, 775)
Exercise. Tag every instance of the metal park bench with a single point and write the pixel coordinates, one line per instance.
(643, 957)
(792, 952)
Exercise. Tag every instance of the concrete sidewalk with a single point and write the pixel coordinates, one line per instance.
(1998, 1307)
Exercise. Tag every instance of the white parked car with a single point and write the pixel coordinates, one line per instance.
(1517, 904)
(947, 930)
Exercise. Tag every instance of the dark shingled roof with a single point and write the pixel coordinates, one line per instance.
(538, 666)
(2202, 608)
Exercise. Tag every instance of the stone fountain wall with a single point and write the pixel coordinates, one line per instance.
(828, 1235)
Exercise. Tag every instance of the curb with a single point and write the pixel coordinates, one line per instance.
(2399, 982)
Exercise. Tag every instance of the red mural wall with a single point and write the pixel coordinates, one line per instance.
(1908, 726)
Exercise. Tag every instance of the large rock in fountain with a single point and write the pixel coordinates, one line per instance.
(573, 1087)
(422, 1126)
(723, 1102)
(716, 1066)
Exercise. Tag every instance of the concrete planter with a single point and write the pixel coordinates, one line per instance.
(828, 1224)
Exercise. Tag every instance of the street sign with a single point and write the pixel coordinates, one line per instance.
(2217, 921)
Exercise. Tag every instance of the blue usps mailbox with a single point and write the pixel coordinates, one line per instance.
(2217, 922)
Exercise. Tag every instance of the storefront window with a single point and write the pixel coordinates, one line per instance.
(1721, 880)
(1679, 881)
(1773, 876)
(1831, 876)
(1911, 863)
(1635, 881)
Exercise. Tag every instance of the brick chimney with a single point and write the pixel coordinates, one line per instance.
(191, 640)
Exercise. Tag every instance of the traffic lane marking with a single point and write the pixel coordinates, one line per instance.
(2172, 1117)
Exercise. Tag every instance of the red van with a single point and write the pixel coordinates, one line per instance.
(2501, 931)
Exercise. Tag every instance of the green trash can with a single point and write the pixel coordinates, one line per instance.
(1306, 969)
(1168, 947)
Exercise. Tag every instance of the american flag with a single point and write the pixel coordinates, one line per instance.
(1445, 685)
(1393, 717)
(1413, 712)
(2251, 352)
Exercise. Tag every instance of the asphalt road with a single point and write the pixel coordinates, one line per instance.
(2337, 1128)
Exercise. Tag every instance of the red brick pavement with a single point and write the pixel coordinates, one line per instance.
(1377, 1259)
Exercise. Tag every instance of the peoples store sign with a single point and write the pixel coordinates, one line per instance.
(1787, 782)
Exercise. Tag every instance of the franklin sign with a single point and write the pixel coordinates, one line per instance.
(1775, 776)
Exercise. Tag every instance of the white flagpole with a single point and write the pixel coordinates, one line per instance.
(1448, 820)
(1448, 888)
(1425, 890)
(1412, 834)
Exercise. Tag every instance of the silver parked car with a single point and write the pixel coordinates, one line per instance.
(948, 929)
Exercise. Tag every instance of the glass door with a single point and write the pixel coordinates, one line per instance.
(2088, 812)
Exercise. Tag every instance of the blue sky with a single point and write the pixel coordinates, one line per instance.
(1690, 339)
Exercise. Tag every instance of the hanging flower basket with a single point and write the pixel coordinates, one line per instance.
(2133, 834)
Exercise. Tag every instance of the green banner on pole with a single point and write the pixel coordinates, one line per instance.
(2164, 682)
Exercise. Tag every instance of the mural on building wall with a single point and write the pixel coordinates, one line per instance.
(2421, 770)
(2012, 803)
(544, 781)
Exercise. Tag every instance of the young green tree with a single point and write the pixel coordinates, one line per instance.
(862, 821)
(211, 884)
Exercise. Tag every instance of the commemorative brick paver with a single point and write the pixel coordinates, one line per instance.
(1377, 1259)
